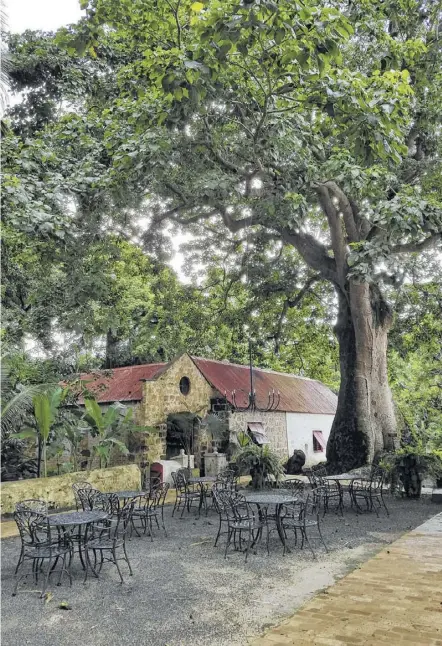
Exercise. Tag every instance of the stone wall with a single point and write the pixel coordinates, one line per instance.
(162, 397)
(274, 424)
(57, 490)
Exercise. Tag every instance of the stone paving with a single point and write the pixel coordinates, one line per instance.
(394, 598)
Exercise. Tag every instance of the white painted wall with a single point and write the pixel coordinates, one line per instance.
(300, 427)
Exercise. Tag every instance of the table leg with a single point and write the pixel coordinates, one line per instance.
(280, 529)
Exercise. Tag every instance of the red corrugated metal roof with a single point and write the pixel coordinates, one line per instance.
(122, 384)
(298, 395)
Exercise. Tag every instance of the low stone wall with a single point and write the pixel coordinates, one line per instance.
(58, 489)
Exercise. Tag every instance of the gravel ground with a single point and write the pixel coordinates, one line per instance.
(183, 592)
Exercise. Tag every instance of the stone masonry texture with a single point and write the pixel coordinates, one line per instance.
(274, 424)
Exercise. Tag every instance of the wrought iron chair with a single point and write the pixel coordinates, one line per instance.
(241, 519)
(108, 544)
(324, 491)
(186, 472)
(76, 487)
(219, 503)
(371, 491)
(302, 516)
(151, 483)
(148, 508)
(33, 504)
(39, 545)
(185, 495)
(228, 476)
(295, 486)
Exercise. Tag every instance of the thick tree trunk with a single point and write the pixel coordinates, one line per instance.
(364, 422)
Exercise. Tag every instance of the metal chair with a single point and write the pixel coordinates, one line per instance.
(185, 495)
(148, 508)
(295, 486)
(302, 516)
(76, 487)
(151, 483)
(241, 519)
(325, 491)
(33, 504)
(371, 491)
(107, 545)
(219, 503)
(39, 545)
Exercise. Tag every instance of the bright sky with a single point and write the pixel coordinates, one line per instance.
(47, 15)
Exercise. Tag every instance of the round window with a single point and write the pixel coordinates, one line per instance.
(184, 385)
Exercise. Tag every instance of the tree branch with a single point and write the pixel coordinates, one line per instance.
(411, 247)
(313, 253)
(302, 292)
(336, 232)
(347, 211)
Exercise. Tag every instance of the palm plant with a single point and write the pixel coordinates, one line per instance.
(107, 427)
(45, 408)
(259, 462)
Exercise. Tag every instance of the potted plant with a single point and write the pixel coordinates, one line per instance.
(410, 464)
(260, 462)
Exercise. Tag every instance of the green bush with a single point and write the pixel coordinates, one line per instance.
(259, 462)
(409, 465)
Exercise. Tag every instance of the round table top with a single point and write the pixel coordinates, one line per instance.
(203, 479)
(129, 494)
(77, 518)
(269, 498)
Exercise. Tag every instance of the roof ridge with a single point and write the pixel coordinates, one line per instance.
(224, 362)
(138, 365)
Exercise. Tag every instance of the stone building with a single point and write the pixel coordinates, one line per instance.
(189, 388)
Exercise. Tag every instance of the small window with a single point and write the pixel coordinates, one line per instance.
(318, 442)
(184, 385)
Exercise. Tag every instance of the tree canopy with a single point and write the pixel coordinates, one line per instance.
(298, 143)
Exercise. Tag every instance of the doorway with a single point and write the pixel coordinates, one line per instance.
(182, 433)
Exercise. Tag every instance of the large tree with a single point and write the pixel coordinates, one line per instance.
(313, 125)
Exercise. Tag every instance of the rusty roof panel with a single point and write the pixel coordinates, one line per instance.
(298, 395)
(121, 384)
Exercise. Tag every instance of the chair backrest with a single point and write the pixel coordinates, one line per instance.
(76, 487)
(160, 493)
(33, 504)
(151, 483)
(377, 479)
(186, 472)
(120, 528)
(180, 481)
(227, 475)
(312, 478)
(231, 505)
(224, 485)
(300, 509)
(83, 496)
(296, 486)
(33, 527)
(100, 501)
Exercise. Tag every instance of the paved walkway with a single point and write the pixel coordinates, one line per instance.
(394, 598)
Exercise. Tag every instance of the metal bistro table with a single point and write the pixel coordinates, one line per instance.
(273, 498)
(80, 519)
(127, 495)
(203, 483)
(339, 479)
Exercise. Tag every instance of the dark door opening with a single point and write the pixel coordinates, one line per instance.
(182, 433)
